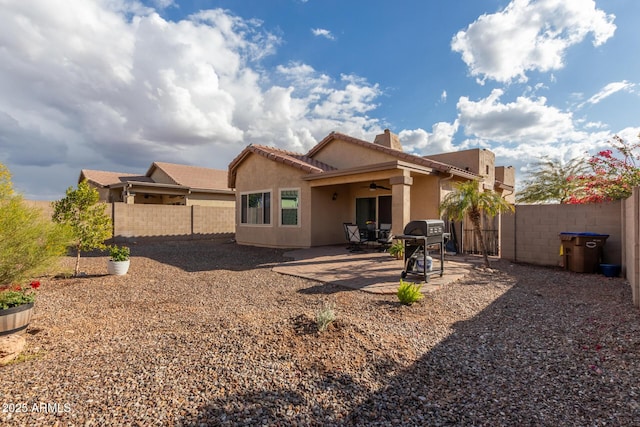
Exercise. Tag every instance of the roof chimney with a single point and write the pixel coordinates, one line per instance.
(388, 139)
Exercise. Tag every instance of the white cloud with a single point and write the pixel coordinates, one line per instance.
(527, 129)
(321, 32)
(114, 86)
(609, 90)
(422, 142)
(524, 120)
(630, 134)
(443, 96)
(163, 4)
(529, 35)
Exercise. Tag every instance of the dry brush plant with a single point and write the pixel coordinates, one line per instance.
(325, 316)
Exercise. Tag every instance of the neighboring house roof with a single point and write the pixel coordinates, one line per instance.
(104, 178)
(410, 158)
(296, 160)
(192, 176)
(181, 176)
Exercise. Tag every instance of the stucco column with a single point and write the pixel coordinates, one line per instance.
(400, 202)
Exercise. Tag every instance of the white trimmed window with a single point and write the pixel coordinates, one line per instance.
(290, 207)
(256, 208)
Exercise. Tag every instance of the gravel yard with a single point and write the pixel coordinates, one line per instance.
(204, 333)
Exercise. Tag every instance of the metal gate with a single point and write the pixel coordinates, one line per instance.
(489, 227)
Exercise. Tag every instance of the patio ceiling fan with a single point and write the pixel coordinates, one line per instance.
(373, 187)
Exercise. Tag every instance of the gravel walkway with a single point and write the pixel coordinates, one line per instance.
(204, 333)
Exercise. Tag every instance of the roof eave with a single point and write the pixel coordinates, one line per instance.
(503, 186)
(212, 190)
(147, 184)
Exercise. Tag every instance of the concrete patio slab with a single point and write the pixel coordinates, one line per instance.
(375, 272)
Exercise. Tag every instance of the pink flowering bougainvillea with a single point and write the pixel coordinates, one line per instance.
(613, 175)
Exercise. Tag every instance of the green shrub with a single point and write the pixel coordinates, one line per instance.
(29, 243)
(119, 253)
(408, 293)
(325, 316)
(397, 249)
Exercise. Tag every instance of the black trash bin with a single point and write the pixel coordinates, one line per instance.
(582, 252)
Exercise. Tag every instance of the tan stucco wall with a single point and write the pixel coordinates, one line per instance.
(506, 175)
(258, 174)
(424, 198)
(329, 215)
(477, 160)
(158, 175)
(466, 159)
(345, 155)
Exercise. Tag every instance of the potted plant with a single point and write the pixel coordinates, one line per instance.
(16, 307)
(397, 250)
(118, 263)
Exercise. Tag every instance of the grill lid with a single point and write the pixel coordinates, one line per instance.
(424, 227)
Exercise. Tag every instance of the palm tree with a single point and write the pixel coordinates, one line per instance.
(551, 180)
(468, 200)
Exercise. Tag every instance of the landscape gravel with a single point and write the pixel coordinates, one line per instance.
(203, 333)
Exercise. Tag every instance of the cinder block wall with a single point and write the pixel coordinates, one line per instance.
(44, 206)
(136, 220)
(630, 248)
(171, 221)
(161, 221)
(531, 234)
(213, 219)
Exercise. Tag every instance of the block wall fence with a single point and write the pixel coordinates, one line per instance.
(631, 244)
(163, 221)
(531, 233)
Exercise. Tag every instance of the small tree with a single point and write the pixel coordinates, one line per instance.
(86, 216)
(29, 243)
(468, 200)
(612, 176)
(552, 181)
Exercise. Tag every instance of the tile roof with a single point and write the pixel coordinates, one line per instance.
(307, 163)
(193, 176)
(411, 158)
(296, 160)
(104, 178)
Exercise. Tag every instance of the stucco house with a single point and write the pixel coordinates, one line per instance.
(287, 199)
(164, 183)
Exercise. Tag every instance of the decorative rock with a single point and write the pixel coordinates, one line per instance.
(205, 333)
(10, 347)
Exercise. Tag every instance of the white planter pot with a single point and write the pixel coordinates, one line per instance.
(119, 268)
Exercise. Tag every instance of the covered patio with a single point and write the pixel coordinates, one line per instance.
(369, 271)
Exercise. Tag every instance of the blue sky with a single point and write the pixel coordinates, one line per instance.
(117, 84)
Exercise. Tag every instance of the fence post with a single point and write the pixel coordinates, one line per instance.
(635, 245)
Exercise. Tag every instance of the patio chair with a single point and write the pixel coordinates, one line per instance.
(346, 232)
(354, 237)
(384, 237)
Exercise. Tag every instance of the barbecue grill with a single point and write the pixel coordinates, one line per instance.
(418, 236)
